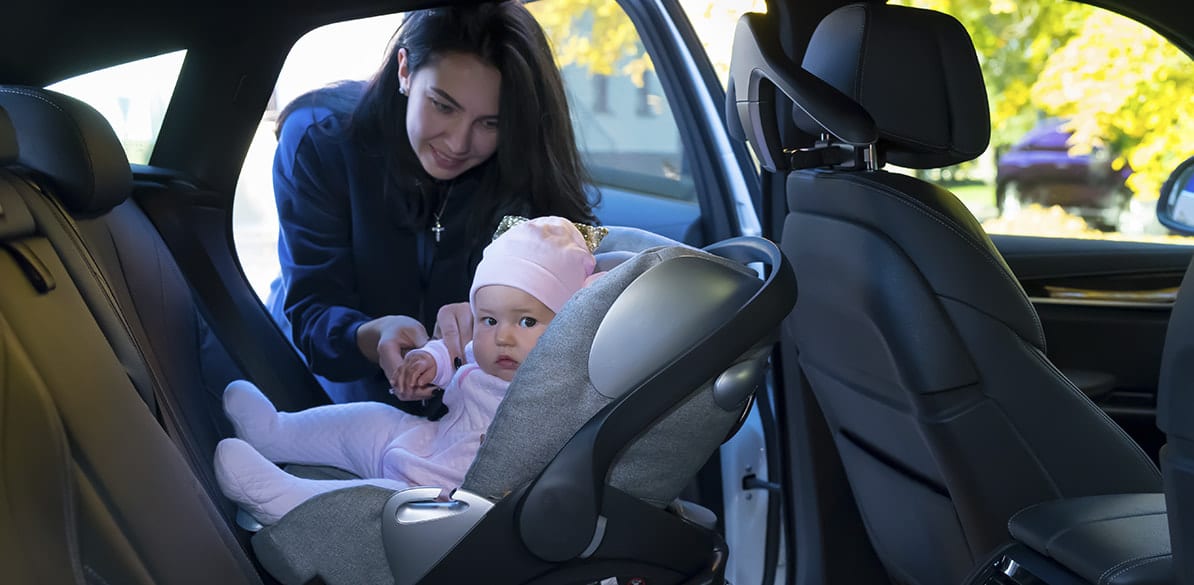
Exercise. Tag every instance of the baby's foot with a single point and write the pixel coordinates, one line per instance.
(252, 414)
(267, 492)
(260, 487)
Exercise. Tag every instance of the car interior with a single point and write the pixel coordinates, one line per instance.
(931, 410)
(85, 175)
(921, 348)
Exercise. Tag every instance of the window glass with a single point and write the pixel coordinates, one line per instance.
(624, 125)
(625, 128)
(714, 22)
(347, 50)
(1089, 115)
(132, 97)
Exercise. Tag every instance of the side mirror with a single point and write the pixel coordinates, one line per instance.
(1175, 206)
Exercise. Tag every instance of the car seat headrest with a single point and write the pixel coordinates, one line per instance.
(759, 69)
(881, 83)
(917, 74)
(8, 140)
(70, 144)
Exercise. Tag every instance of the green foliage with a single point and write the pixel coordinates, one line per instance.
(597, 34)
(1120, 83)
(594, 34)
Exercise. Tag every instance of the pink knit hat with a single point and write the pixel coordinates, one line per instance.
(545, 257)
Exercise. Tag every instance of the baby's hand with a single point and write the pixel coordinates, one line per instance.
(415, 376)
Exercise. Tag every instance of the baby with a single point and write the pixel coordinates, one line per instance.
(525, 276)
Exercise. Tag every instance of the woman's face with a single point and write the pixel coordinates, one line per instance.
(452, 117)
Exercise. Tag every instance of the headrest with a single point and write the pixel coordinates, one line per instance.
(917, 74)
(72, 145)
(8, 140)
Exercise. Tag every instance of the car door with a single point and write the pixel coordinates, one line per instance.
(750, 515)
(1104, 306)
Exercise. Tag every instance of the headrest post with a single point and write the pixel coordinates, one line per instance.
(871, 157)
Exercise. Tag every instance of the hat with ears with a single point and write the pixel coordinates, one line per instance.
(545, 257)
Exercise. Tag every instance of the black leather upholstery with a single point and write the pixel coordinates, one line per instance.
(921, 348)
(864, 51)
(1119, 539)
(1175, 416)
(8, 140)
(70, 143)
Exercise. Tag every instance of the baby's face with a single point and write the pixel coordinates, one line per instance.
(507, 323)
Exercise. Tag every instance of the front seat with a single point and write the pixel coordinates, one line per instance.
(1175, 406)
(919, 344)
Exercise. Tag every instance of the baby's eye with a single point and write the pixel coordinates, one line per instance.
(488, 321)
(528, 322)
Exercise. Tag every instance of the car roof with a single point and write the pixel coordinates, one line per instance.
(49, 40)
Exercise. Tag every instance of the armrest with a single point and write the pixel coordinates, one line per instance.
(1117, 539)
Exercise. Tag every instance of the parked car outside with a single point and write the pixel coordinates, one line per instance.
(1042, 168)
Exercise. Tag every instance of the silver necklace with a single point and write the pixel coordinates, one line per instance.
(438, 228)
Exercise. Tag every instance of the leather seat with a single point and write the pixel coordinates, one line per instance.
(919, 344)
(1175, 403)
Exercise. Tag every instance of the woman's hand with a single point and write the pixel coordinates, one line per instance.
(386, 340)
(454, 324)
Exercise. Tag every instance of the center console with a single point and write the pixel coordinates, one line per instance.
(1118, 539)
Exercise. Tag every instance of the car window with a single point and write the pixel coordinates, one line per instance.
(626, 131)
(132, 96)
(347, 50)
(1088, 118)
(625, 128)
(714, 22)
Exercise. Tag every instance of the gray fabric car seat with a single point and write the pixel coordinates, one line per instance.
(1175, 405)
(635, 383)
(922, 350)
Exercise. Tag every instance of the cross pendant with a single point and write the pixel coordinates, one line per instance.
(437, 229)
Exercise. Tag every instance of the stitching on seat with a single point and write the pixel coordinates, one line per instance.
(1069, 529)
(986, 254)
(93, 576)
(1133, 563)
(1098, 412)
(866, 33)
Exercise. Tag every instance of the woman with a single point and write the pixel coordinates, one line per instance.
(385, 210)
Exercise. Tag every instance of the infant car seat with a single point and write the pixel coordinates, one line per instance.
(635, 383)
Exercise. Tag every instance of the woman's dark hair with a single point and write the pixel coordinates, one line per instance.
(536, 169)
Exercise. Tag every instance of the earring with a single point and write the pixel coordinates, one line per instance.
(401, 90)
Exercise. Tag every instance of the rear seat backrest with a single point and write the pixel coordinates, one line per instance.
(93, 490)
(123, 270)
